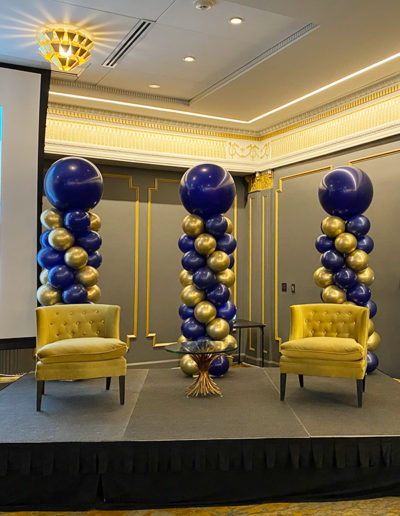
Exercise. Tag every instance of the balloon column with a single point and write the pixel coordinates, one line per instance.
(69, 255)
(345, 276)
(207, 191)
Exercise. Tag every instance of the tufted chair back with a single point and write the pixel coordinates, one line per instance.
(61, 322)
(329, 320)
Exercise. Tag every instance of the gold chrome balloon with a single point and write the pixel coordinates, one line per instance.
(76, 257)
(193, 225)
(43, 276)
(181, 339)
(51, 218)
(188, 365)
(357, 260)
(322, 277)
(229, 229)
(366, 276)
(218, 261)
(93, 293)
(349, 303)
(373, 341)
(345, 243)
(227, 277)
(333, 294)
(205, 244)
(205, 312)
(61, 239)
(191, 295)
(185, 278)
(47, 295)
(88, 276)
(219, 345)
(333, 226)
(218, 328)
(95, 222)
(371, 327)
(230, 341)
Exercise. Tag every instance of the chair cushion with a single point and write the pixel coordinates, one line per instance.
(323, 348)
(86, 349)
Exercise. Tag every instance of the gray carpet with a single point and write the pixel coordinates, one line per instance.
(249, 408)
(71, 411)
(156, 408)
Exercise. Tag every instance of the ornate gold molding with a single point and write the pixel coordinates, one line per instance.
(260, 181)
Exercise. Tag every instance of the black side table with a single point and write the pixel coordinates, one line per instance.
(241, 324)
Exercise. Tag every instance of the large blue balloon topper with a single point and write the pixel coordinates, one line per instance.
(207, 190)
(345, 191)
(73, 183)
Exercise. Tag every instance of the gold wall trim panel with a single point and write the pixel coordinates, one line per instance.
(131, 186)
(277, 192)
(150, 190)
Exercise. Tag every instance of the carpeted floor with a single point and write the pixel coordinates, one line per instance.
(376, 507)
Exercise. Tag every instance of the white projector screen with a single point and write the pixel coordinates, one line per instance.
(20, 128)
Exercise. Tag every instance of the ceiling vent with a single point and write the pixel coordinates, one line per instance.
(137, 32)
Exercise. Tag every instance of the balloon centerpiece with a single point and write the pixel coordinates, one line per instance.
(70, 242)
(207, 191)
(345, 276)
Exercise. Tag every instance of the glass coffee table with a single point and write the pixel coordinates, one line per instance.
(203, 352)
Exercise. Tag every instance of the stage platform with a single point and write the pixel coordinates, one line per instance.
(162, 449)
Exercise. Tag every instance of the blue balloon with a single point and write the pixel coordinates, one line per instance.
(358, 225)
(207, 190)
(216, 225)
(359, 294)
(73, 183)
(90, 241)
(219, 366)
(227, 311)
(219, 294)
(191, 261)
(61, 276)
(192, 329)
(372, 362)
(75, 294)
(231, 261)
(226, 243)
(345, 191)
(186, 243)
(77, 221)
(371, 305)
(49, 257)
(44, 238)
(332, 260)
(186, 311)
(204, 278)
(323, 243)
(94, 260)
(345, 277)
(365, 243)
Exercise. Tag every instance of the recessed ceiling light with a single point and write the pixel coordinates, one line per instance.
(189, 59)
(154, 86)
(236, 20)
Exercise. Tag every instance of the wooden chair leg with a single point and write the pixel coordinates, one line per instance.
(283, 385)
(359, 392)
(301, 380)
(108, 383)
(39, 393)
(122, 389)
(365, 377)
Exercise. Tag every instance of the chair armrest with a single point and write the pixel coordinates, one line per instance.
(42, 329)
(112, 322)
(362, 329)
(296, 323)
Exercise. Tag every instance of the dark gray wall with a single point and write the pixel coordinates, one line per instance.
(300, 215)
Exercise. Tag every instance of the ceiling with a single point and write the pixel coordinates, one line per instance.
(283, 50)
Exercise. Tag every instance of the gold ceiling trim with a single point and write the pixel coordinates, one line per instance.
(259, 181)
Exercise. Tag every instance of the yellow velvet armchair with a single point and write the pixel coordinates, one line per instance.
(76, 342)
(326, 340)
